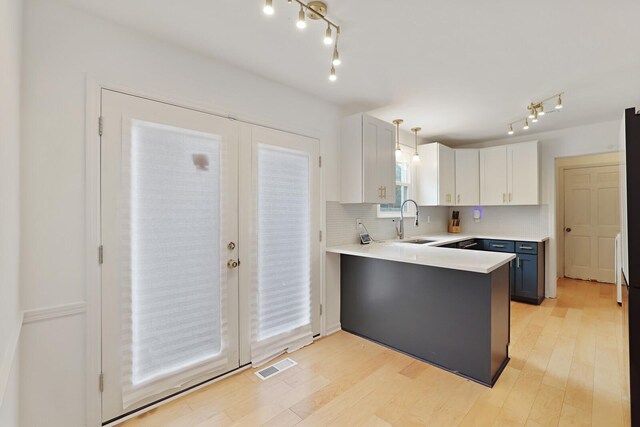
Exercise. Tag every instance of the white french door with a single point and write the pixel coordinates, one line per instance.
(284, 259)
(169, 212)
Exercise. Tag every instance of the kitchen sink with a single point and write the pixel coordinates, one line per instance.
(417, 241)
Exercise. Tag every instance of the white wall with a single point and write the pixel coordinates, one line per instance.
(576, 141)
(10, 63)
(61, 45)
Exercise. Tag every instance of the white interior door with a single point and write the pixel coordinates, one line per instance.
(285, 248)
(169, 209)
(592, 220)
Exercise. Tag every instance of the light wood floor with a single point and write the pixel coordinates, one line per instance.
(568, 367)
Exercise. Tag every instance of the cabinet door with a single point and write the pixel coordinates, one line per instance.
(467, 182)
(526, 276)
(378, 161)
(386, 162)
(446, 175)
(493, 176)
(523, 174)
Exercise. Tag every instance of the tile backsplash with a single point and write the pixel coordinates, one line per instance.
(506, 220)
(341, 223)
(499, 220)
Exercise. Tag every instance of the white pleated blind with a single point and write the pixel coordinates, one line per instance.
(283, 279)
(172, 316)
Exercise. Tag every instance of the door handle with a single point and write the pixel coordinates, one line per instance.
(232, 263)
(568, 230)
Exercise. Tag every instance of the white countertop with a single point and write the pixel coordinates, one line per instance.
(430, 254)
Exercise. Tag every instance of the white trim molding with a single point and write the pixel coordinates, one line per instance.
(333, 329)
(9, 356)
(48, 313)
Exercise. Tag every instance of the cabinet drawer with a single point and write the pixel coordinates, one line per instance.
(499, 245)
(527, 248)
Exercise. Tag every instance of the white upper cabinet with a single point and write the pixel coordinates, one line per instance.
(493, 176)
(509, 174)
(467, 177)
(523, 174)
(368, 160)
(436, 175)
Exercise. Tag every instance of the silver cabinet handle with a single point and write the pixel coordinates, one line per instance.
(470, 245)
(528, 248)
(518, 261)
(497, 246)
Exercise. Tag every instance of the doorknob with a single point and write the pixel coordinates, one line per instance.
(568, 230)
(232, 263)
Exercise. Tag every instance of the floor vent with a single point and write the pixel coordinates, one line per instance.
(275, 369)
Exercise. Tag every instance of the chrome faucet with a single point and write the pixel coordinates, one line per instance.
(400, 231)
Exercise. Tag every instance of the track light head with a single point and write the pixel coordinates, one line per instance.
(328, 36)
(301, 24)
(332, 75)
(526, 124)
(541, 110)
(268, 7)
(510, 131)
(336, 57)
(559, 104)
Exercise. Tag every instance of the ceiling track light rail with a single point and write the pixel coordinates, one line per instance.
(535, 110)
(315, 10)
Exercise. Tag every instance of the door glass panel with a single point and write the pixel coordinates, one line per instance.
(284, 258)
(173, 318)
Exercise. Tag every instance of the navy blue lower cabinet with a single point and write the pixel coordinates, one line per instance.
(526, 275)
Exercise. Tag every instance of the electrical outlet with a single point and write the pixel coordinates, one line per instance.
(358, 223)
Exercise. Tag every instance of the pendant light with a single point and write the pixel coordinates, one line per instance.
(541, 110)
(398, 122)
(336, 57)
(526, 124)
(535, 116)
(328, 37)
(416, 155)
(332, 75)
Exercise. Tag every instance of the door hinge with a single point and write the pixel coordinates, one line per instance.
(100, 254)
(101, 382)
(320, 161)
(320, 234)
(320, 309)
(100, 125)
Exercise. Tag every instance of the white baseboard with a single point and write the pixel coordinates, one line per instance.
(333, 329)
(48, 313)
(7, 361)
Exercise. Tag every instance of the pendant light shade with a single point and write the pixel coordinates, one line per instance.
(416, 155)
(559, 104)
(328, 36)
(301, 24)
(398, 122)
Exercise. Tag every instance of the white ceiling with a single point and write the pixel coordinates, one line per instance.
(459, 69)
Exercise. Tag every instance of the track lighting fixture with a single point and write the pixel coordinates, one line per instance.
(315, 10)
(416, 155)
(398, 122)
(268, 7)
(301, 24)
(535, 110)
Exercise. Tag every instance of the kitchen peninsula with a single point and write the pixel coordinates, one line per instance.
(445, 306)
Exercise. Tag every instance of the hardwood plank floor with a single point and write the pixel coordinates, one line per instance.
(569, 367)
